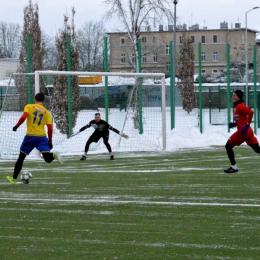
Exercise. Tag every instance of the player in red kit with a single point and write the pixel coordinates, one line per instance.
(242, 118)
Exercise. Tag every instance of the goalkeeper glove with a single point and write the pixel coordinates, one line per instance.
(75, 134)
(15, 128)
(50, 144)
(124, 135)
(231, 125)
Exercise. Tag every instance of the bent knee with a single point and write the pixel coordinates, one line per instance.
(48, 161)
(229, 146)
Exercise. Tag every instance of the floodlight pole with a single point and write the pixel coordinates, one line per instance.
(174, 47)
(246, 49)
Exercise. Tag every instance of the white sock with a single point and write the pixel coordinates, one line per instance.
(234, 167)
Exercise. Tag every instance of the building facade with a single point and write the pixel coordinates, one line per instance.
(156, 48)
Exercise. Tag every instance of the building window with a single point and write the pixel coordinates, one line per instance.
(122, 40)
(180, 39)
(215, 38)
(215, 56)
(133, 58)
(144, 58)
(242, 38)
(203, 71)
(143, 71)
(167, 67)
(143, 39)
(155, 78)
(167, 49)
(154, 40)
(123, 58)
(155, 57)
(214, 71)
(192, 38)
(203, 56)
(203, 39)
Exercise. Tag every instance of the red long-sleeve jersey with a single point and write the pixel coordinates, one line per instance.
(242, 115)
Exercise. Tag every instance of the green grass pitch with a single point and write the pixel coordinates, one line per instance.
(177, 205)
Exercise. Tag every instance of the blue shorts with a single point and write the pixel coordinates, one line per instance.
(41, 143)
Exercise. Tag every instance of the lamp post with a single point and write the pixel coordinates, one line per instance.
(174, 46)
(246, 49)
(174, 39)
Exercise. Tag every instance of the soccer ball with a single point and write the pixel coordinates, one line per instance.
(25, 177)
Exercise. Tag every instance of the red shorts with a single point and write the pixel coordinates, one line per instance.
(238, 137)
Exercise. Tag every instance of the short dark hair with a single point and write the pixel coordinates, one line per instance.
(39, 97)
(240, 94)
(97, 114)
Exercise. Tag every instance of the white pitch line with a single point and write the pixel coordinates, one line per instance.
(174, 203)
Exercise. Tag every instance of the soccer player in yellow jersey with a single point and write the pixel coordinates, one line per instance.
(37, 117)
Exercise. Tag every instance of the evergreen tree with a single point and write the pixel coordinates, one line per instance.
(186, 73)
(37, 49)
(60, 83)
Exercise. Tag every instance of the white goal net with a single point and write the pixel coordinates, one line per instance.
(144, 121)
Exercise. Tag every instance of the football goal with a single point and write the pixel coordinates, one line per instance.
(133, 103)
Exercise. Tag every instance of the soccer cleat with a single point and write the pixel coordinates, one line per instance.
(112, 157)
(83, 158)
(11, 179)
(58, 157)
(230, 170)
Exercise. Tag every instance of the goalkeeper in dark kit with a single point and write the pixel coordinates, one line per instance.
(101, 130)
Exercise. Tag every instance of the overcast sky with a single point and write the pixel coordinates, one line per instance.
(207, 13)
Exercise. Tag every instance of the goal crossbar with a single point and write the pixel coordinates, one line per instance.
(38, 73)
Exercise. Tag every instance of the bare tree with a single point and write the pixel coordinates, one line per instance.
(60, 83)
(9, 40)
(51, 53)
(90, 45)
(31, 27)
(186, 73)
(133, 15)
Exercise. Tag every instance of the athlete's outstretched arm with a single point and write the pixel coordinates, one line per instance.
(116, 131)
(81, 129)
(113, 129)
(21, 120)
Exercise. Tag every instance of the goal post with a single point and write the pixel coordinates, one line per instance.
(160, 76)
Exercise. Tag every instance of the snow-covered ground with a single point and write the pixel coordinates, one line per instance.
(185, 135)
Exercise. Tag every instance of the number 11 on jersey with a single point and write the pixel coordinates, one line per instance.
(35, 117)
